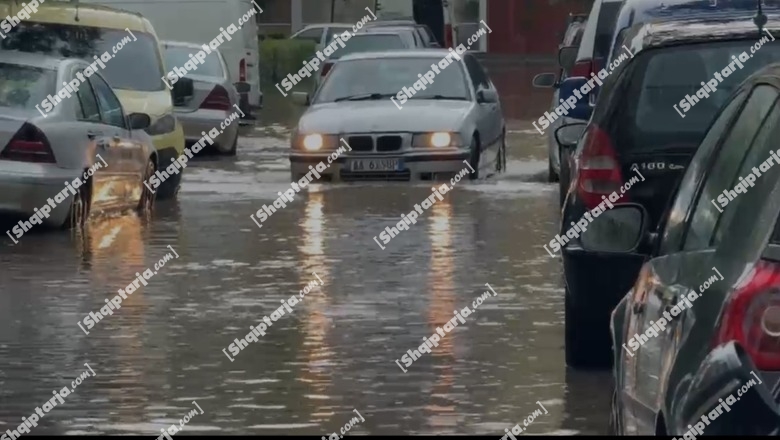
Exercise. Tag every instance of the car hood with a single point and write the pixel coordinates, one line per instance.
(155, 104)
(384, 116)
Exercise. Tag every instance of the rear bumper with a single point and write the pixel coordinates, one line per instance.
(417, 166)
(26, 186)
(721, 375)
(202, 121)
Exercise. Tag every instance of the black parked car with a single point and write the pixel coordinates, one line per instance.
(635, 129)
(701, 325)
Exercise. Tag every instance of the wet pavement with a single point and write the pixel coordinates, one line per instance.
(336, 351)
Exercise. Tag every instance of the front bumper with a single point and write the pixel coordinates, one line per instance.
(26, 186)
(200, 121)
(722, 374)
(423, 165)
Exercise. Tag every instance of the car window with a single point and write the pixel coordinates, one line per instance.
(723, 173)
(332, 31)
(313, 34)
(763, 144)
(25, 86)
(370, 43)
(88, 106)
(176, 56)
(672, 231)
(478, 76)
(604, 28)
(110, 109)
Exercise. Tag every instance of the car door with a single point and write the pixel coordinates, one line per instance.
(671, 280)
(489, 114)
(129, 153)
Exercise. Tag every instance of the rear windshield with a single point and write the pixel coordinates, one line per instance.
(135, 65)
(369, 43)
(25, 86)
(176, 56)
(663, 77)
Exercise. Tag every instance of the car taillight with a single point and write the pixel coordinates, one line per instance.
(218, 99)
(582, 68)
(598, 170)
(28, 145)
(752, 316)
(242, 70)
(325, 69)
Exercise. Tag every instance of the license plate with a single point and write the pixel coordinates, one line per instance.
(375, 164)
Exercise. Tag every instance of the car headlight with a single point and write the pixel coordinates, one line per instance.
(315, 142)
(439, 139)
(164, 125)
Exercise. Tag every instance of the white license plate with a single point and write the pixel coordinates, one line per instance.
(393, 164)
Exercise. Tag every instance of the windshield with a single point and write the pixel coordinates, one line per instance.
(388, 76)
(134, 66)
(25, 86)
(664, 77)
(176, 56)
(369, 43)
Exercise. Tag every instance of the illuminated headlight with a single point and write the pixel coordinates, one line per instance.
(440, 139)
(315, 142)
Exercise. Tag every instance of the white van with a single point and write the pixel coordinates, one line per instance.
(198, 21)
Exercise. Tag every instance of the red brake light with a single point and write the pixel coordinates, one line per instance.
(218, 99)
(582, 68)
(598, 170)
(752, 316)
(242, 70)
(29, 144)
(325, 69)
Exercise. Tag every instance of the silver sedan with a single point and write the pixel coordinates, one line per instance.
(51, 138)
(214, 103)
(397, 128)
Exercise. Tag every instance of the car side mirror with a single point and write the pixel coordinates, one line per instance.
(242, 87)
(620, 229)
(301, 98)
(182, 90)
(544, 80)
(139, 121)
(582, 108)
(567, 55)
(569, 135)
(487, 96)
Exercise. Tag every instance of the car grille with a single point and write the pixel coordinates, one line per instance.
(361, 143)
(401, 176)
(389, 143)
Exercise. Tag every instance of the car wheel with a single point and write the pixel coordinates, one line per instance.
(552, 176)
(563, 180)
(233, 148)
(585, 346)
(501, 161)
(146, 203)
(474, 159)
(79, 209)
(170, 188)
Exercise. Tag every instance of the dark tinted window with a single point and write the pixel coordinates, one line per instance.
(478, 76)
(88, 103)
(724, 172)
(110, 109)
(604, 28)
(25, 86)
(660, 79)
(369, 43)
(332, 31)
(314, 34)
(136, 66)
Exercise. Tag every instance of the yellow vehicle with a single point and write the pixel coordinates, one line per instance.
(133, 67)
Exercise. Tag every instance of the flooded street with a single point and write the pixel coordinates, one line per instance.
(336, 351)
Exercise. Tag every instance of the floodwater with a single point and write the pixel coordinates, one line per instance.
(336, 351)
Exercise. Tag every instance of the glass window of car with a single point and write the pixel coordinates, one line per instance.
(724, 171)
(332, 31)
(687, 190)
(25, 86)
(313, 34)
(132, 64)
(386, 77)
(110, 109)
(176, 56)
(369, 43)
(88, 105)
(478, 76)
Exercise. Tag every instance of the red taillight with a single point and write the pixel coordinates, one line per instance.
(218, 99)
(582, 68)
(242, 70)
(28, 145)
(598, 170)
(325, 69)
(752, 316)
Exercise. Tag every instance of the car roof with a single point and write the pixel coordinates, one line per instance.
(90, 15)
(390, 29)
(411, 53)
(691, 30)
(392, 23)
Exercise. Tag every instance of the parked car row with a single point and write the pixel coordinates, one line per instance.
(124, 111)
(666, 235)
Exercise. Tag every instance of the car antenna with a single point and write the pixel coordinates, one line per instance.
(77, 9)
(760, 19)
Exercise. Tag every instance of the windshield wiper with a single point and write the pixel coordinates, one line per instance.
(364, 97)
(456, 98)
